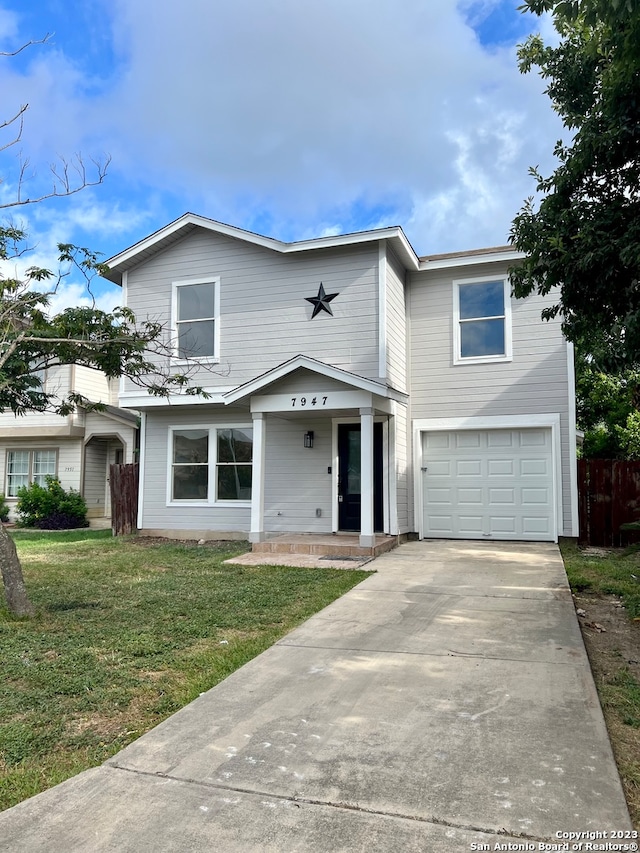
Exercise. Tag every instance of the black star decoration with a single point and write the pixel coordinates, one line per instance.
(321, 301)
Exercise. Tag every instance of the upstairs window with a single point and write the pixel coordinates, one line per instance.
(482, 310)
(196, 319)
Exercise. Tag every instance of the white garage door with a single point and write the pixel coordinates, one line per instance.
(488, 484)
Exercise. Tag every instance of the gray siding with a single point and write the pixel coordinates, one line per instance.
(98, 424)
(534, 382)
(91, 383)
(157, 515)
(297, 482)
(57, 382)
(265, 319)
(95, 477)
(396, 323)
(403, 492)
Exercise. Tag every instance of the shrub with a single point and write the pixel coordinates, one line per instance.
(4, 508)
(51, 507)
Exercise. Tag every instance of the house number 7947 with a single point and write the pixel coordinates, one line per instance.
(297, 402)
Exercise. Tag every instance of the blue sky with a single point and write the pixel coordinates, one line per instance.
(288, 118)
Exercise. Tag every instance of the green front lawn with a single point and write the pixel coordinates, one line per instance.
(126, 633)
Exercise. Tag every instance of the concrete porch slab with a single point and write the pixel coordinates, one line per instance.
(329, 544)
(301, 561)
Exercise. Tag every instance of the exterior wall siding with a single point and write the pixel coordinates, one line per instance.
(264, 292)
(402, 471)
(297, 481)
(97, 424)
(91, 384)
(157, 515)
(95, 477)
(534, 382)
(396, 323)
(57, 382)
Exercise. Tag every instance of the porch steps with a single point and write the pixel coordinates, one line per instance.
(329, 545)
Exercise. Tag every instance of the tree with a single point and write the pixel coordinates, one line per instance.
(66, 176)
(607, 397)
(32, 340)
(582, 241)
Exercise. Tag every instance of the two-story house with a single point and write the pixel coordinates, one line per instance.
(353, 386)
(76, 448)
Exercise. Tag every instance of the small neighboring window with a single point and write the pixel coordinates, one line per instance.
(196, 320)
(483, 319)
(29, 466)
(233, 469)
(211, 465)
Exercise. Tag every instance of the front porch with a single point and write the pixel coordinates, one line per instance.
(341, 545)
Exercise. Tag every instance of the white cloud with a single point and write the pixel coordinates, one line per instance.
(295, 119)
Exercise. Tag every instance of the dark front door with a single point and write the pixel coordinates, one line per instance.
(349, 491)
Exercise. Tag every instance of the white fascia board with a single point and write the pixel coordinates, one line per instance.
(471, 260)
(327, 370)
(140, 400)
(395, 233)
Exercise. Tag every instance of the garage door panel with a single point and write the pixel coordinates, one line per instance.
(440, 496)
(534, 438)
(440, 524)
(536, 525)
(535, 496)
(470, 525)
(489, 483)
(470, 496)
(468, 467)
(440, 468)
(506, 524)
(500, 467)
(437, 440)
(500, 438)
(464, 440)
(534, 467)
(502, 496)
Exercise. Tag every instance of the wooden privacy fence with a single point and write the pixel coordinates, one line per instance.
(608, 497)
(123, 482)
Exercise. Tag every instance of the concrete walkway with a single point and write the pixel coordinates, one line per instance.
(445, 702)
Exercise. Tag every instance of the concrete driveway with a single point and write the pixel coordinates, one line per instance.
(445, 702)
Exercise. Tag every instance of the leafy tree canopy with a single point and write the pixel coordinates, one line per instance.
(583, 238)
(33, 340)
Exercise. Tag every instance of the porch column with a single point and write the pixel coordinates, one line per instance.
(257, 480)
(367, 536)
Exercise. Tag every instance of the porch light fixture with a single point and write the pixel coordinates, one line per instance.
(308, 439)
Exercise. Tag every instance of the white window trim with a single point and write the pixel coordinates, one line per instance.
(508, 338)
(212, 463)
(207, 359)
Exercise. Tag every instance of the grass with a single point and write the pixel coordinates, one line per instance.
(606, 572)
(126, 634)
(615, 654)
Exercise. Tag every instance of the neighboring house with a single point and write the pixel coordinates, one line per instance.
(354, 386)
(77, 449)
